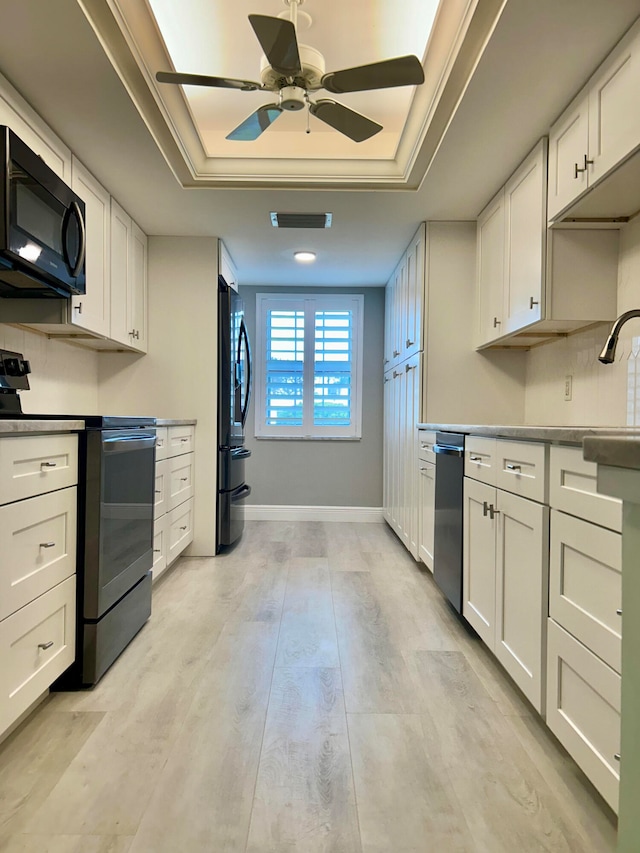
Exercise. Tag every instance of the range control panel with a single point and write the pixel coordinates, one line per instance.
(14, 370)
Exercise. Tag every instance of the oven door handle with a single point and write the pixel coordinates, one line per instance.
(124, 443)
(443, 450)
(240, 493)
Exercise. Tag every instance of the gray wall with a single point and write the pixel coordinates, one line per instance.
(295, 472)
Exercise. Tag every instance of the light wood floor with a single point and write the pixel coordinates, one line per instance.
(311, 691)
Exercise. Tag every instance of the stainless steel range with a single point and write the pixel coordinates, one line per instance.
(116, 481)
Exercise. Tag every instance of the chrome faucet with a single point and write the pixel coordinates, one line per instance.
(609, 350)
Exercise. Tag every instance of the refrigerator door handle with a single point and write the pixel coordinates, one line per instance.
(240, 493)
(241, 453)
(243, 338)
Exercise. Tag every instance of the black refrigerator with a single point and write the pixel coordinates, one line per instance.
(234, 393)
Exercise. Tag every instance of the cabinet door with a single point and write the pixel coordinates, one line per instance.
(92, 310)
(479, 560)
(410, 445)
(388, 323)
(525, 206)
(120, 229)
(137, 295)
(568, 146)
(415, 285)
(614, 117)
(490, 270)
(387, 446)
(399, 309)
(426, 510)
(522, 583)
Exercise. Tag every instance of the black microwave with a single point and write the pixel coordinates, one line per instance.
(42, 226)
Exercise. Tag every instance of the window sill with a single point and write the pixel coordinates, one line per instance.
(308, 438)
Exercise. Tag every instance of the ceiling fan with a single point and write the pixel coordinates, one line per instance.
(294, 71)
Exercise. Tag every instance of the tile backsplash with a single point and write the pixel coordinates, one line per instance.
(64, 378)
(602, 395)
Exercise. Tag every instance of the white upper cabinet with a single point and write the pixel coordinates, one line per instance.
(92, 310)
(16, 113)
(405, 303)
(227, 267)
(597, 131)
(534, 283)
(490, 267)
(525, 205)
(128, 281)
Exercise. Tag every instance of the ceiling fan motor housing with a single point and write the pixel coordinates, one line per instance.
(292, 98)
(313, 69)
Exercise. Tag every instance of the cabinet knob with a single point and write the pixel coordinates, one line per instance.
(532, 302)
(410, 343)
(45, 646)
(396, 353)
(618, 612)
(616, 755)
(485, 508)
(134, 333)
(409, 367)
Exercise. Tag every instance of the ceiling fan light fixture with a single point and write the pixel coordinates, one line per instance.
(304, 257)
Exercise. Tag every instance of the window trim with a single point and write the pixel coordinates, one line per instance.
(310, 304)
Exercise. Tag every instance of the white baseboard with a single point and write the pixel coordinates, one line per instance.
(257, 512)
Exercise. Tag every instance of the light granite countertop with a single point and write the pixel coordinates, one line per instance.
(176, 422)
(557, 434)
(19, 427)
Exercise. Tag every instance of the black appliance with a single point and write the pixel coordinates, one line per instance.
(234, 393)
(447, 547)
(116, 482)
(42, 226)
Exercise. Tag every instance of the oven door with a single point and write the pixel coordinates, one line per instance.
(120, 524)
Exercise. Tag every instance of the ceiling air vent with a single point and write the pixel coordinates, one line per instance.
(301, 220)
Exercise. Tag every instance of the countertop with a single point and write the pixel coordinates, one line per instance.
(615, 451)
(565, 434)
(175, 422)
(15, 427)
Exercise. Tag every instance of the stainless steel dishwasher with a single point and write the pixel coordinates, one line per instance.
(447, 550)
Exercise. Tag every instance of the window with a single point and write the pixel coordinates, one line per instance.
(308, 366)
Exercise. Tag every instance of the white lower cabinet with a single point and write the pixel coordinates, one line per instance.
(583, 709)
(38, 495)
(174, 493)
(505, 580)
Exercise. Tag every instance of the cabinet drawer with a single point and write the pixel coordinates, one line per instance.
(162, 443)
(585, 584)
(573, 488)
(37, 547)
(159, 547)
(37, 643)
(583, 709)
(426, 440)
(480, 459)
(35, 464)
(521, 468)
(180, 479)
(163, 474)
(180, 439)
(179, 530)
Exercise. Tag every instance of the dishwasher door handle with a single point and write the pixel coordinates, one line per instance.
(444, 450)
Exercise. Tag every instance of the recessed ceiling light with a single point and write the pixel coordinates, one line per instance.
(305, 257)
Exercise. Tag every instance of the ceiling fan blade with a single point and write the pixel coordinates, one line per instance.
(204, 80)
(252, 127)
(401, 71)
(352, 124)
(278, 40)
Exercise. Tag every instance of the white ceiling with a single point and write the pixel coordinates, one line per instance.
(539, 55)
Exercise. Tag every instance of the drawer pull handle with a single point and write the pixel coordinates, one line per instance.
(47, 544)
(183, 479)
(48, 464)
(618, 612)
(475, 459)
(616, 755)
(511, 467)
(396, 353)
(45, 646)
(184, 528)
(184, 439)
(156, 550)
(426, 446)
(410, 343)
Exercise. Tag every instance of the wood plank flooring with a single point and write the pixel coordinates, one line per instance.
(309, 691)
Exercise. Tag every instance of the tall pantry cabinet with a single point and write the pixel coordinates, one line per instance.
(403, 368)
